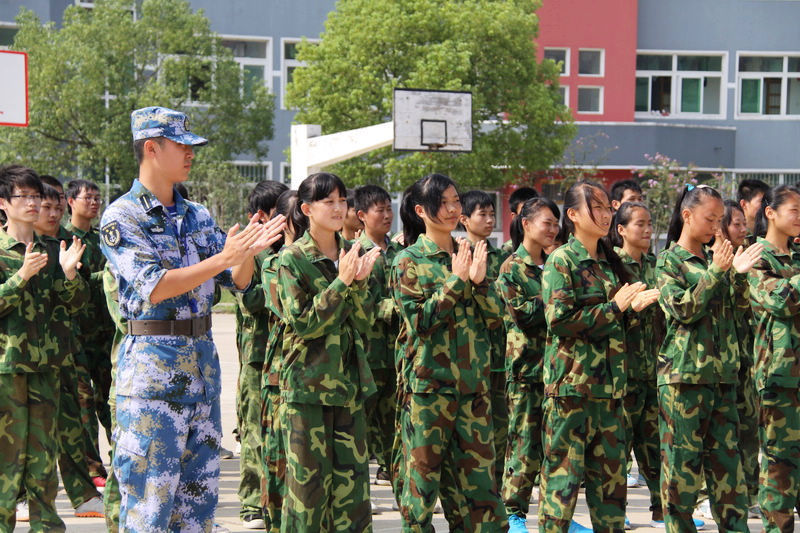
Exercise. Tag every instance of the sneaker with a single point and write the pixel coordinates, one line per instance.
(99, 482)
(23, 514)
(225, 454)
(633, 481)
(395, 506)
(641, 480)
(628, 523)
(253, 521)
(535, 494)
(238, 449)
(218, 528)
(382, 477)
(91, 508)
(516, 524)
(699, 525)
(754, 512)
(437, 509)
(575, 527)
(704, 509)
(659, 524)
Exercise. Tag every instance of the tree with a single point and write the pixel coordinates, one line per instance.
(370, 47)
(86, 77)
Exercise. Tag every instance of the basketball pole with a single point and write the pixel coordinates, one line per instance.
(312, 151)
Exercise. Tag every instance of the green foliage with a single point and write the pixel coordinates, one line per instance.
(164, 54)
(370, 47)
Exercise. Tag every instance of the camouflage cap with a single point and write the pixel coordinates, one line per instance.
(155, 121)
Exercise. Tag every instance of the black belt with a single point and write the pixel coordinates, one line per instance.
(192, 327)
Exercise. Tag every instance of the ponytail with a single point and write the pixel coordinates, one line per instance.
(690, 196)
(621, 218)
(773, 198)
(413, 225)
(528, 212)
(426, 192)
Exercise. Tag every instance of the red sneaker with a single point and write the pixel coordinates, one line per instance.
(99, 481)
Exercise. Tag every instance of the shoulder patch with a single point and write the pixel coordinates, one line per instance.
(111, 235)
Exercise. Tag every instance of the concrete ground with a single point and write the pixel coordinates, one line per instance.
(386, 521)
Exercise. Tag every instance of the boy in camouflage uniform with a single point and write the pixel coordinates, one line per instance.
(374, 209)
(32, 287)
(252, 321)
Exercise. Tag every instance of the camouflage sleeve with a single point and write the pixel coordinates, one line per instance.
(683, 302)
(424, 311)
(565, 315)
(527, 312)
(269, 286)
(111, 290)
(11, 291)
(490, 303)
(252, 300)
(362, 312)
(741, 292)
(310, 313)
(778, 296)
(73, 293)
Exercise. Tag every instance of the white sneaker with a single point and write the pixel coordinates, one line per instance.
(91, 508)
(633, 481)
(238, 451)
(535, 495)
(374, 506)
(437, 509)
(253, 521)
(395, 507)
(754, 512)
(704, 510)
(23, 513)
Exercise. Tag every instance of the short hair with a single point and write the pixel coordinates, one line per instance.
(50, 193)
(75, 187)
(20, 177)
(472, 200)
(618, 189)
(520, 196)
(264, 196)
(138, 147)
(51, 181)
(351, 198)
(368, 195)
(748, 189)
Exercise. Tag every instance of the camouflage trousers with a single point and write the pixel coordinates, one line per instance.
(28, 448)
(448, 447)
(497, 385)
(584, 441)
(642, 438)
(167, 463)
(524, 451)
(273, 458)
(248, 407)
(87, 402)
(381, 408)
(112, 499)
(779, 492)
(747, 405)
(72, 443)
(699, 435)
(327, 470)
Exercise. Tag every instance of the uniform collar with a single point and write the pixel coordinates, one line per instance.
(526, 258)
(686, 255)
(309, 247)
(367, 244)
(7, 242)
(771, 248)
(428, 247)
(149, 202)
(78, 231)
(577, 247)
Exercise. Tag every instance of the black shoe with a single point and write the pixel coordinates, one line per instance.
(382, 477)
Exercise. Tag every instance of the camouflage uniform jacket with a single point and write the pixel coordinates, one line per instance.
(585, 353)
(252, 318)
(142, 241)
(275, 324)
(29, 340)
(381, 336)
(775, 297)
(323, 356)
(700, 345)
(94, 320)
(520, 283)
(111, 290)
(497, 333)
(446, 320)
(643, 330)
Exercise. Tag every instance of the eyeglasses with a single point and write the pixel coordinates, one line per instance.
(28, 197)
(90, 199)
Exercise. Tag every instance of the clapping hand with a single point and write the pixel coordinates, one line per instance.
(70, 258)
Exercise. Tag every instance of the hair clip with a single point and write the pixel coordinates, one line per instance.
(689, 187)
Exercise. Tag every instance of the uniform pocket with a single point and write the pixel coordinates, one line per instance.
(131, 461)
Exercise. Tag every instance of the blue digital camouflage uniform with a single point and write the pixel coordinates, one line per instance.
(168, 416)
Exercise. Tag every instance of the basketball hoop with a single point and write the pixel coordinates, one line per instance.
(432, 121)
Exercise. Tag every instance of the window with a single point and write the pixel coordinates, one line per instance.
(254, 172)
(679, 84)
(286, 173)
(254, 57)
(7, 34)
(590, 100)
(564, 95)
(559, 55)
(768, 85)
(590, 62)
(289, 63)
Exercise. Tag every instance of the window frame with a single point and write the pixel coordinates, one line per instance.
(265, 62)
(677, 77)
(784, 76)
(250, 163)
(7, 26)
(566, 57)
(286, 173)
(602, 98)
(602, 73)
(566, 94)
(287, 63)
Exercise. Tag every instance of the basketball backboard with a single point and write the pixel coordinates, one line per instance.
(14, 88)
(426, 120)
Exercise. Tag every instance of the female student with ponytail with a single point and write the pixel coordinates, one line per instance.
(698, 364)
(324, 376)
(775, 297)
(585, 373)
(533, 229)
(447, 307)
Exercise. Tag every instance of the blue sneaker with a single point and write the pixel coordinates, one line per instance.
(516, 524)
(698, 524)
(575, 527)
(628, 523)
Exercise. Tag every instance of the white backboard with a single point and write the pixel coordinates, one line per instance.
(426, 120)
(13, 88)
